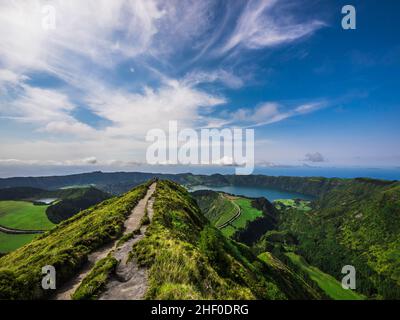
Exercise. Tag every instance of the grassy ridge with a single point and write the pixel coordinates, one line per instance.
(188, 258)
(73, 201)
(326, 282)
(65, 247)
(229, 210)
(20, 210)
(24, 215)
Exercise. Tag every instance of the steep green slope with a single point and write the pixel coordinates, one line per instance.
(354, 224)
(326, 282)
(290, 278)
(65, 247)
(31, 213)
(216, 208)
(188, 258)
(257, 215)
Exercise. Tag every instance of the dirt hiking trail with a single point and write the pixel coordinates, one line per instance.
(124, 270)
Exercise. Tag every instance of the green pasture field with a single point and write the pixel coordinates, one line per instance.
(303, 205)
(247, 213)
(10, 242)
(24, 215)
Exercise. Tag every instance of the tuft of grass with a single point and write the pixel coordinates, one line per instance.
(145, 221)
(128, 237)
(93, 284)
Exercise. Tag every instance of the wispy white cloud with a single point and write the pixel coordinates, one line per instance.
(8, 77)
(91, 40)
(270, 112)
(259, 26)
(48, 109)
(185, 25)
(90, 161)
(130, 116)
(118, 28)
(133, 114)
(220, 75)
(82, 42)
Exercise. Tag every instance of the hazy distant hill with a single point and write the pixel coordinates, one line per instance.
(120, 182)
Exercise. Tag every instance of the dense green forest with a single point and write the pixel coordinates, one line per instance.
(81, 199)
(354, 224)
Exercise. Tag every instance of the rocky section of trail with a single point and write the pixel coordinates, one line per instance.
(129, 282)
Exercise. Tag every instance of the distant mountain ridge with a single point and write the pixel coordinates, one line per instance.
(121, 182)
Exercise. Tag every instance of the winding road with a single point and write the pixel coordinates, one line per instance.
(19, 231)
(237, 215)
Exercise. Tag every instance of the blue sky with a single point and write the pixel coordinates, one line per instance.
(84, 94)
